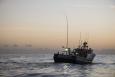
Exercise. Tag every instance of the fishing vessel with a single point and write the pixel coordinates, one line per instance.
(80, 55)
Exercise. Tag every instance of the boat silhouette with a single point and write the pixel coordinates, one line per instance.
(80, 55)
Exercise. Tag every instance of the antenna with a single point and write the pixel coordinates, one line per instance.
(80, 40)
(67, 32)
(87, 37)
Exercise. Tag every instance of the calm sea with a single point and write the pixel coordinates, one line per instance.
(42, 65)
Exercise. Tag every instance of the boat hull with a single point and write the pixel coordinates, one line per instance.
(64, 59)
(59, 58)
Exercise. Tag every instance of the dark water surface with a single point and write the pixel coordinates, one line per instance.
(42, 65)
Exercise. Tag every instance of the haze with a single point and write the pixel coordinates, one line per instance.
(42, 23)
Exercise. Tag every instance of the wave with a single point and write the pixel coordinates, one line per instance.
(98, 63)
(42, 75)
(52, 63)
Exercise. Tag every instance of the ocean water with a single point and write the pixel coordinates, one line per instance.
(42, 65)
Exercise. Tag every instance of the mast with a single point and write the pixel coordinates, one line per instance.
(67, 33)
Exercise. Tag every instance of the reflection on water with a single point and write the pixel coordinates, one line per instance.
(42, 65)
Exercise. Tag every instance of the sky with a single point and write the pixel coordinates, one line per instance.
(42, 23)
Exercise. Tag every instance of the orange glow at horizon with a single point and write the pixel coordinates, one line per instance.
(43, 24)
